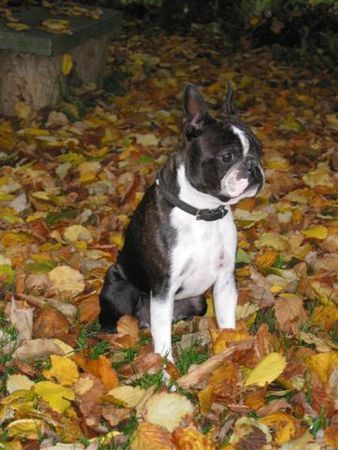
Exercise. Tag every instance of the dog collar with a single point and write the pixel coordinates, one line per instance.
(208, 215)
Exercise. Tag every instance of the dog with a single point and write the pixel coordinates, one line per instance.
(182, 239)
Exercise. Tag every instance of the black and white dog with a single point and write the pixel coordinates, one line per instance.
(182, 238)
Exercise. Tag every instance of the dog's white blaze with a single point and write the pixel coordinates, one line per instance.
(244, 140)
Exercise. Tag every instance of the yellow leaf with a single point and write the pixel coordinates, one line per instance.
(56, 25)
(88, 170)
(58, 397)
(18, 382)
(26, 428)
(22, 110)
(67, 64)
(7, 136)
(117, 239)
(36, 132)
(210, 307)
(323, 364)
(273, 240)
(17, 26)
(292, 124)
(146, 139)
(66, 279)
(319, 176)
(283, 424)
(320, 232)
(63, 369)
(277, 162)
(267, 370)
(127, 396)
(77, 233)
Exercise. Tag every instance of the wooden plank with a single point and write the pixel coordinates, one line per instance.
(40, 42)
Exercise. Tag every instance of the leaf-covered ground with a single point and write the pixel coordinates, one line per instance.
(70, 178)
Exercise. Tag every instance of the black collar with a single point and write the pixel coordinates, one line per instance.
(200, 214)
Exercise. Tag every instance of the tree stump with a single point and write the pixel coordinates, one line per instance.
(31, 60)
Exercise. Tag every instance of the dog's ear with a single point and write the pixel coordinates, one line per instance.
(228, 108)
(195, 110)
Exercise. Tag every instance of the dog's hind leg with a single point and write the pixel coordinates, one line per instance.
(118, 297)
(189, 307)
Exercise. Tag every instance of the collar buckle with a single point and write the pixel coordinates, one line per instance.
(211, 214)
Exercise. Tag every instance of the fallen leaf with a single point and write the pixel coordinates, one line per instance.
(128, 325)
(36, 349)
(267, 370)
(63, 370)
(100, 368)
(77, 233)
(283, 425)
(126, 396)
(167, 409)
(320, 232)
(26, 428)
(151, 436)
(18, 382)
(290, 313)
(323, 364)
(58, 397)
(191, 439)
(65, 279)
(67, 64)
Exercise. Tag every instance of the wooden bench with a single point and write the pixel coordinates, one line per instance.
(31, 60)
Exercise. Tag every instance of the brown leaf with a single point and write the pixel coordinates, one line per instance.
(89, 392)
(150, 436)
(115, 415)
(128, 325)
(290, 314)
(144, 363)
(50, 323)
(89, 309)
(202, 371)
(36, 349)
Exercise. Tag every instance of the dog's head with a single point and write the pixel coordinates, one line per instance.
(222, 157)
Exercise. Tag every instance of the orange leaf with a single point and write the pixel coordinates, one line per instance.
(191, 439)
(150, 436)
(266, 259)
(255, 400)
(325, 317)
(100, 368)
(221, 339)
(89, 309)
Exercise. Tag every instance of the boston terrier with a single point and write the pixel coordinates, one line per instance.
(182, 239)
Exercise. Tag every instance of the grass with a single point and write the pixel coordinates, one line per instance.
(8, 336)
(87, 331)
(150, 379)
(195, 354)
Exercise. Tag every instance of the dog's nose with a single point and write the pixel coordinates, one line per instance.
(250, 164)
(252, 167)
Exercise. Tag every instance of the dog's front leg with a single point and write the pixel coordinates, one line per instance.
(161, 313)
(225, 298)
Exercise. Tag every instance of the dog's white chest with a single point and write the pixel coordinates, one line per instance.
(202, 249)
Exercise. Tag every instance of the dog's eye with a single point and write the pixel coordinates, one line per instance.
(227, 157)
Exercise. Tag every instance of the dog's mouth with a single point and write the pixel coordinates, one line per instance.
(244, 181)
